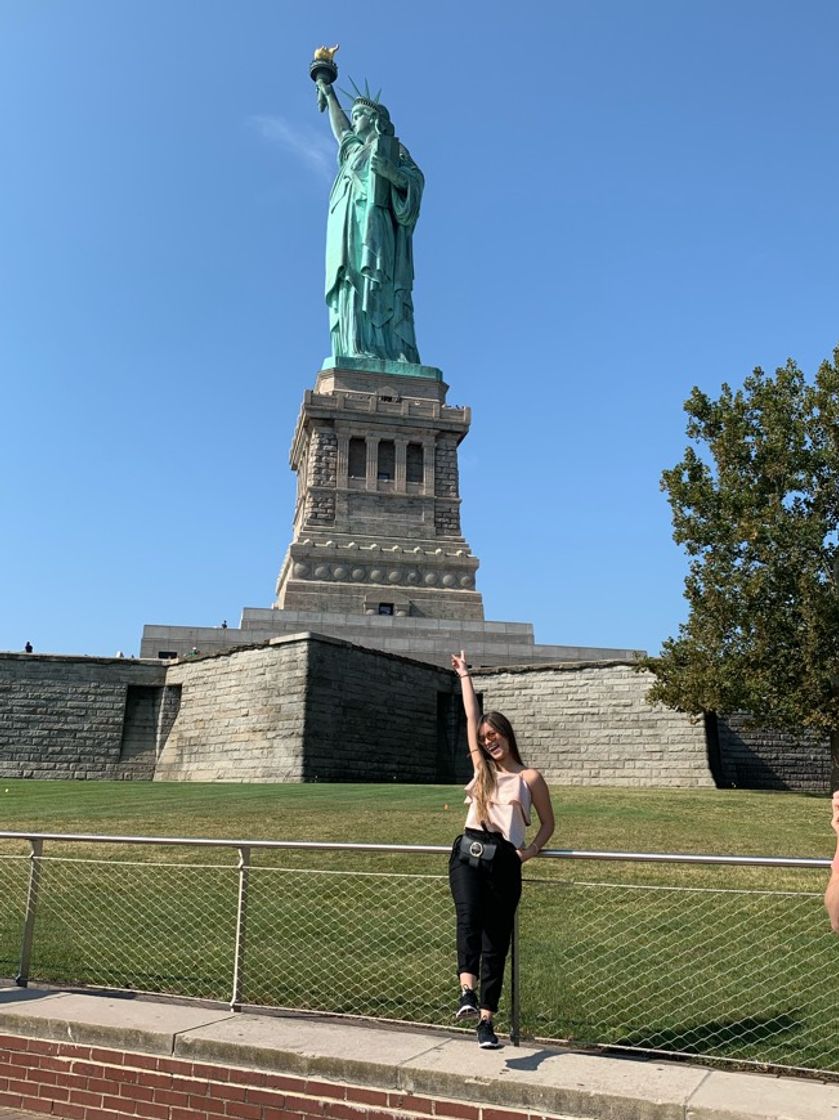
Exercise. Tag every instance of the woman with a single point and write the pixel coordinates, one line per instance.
(485, 864)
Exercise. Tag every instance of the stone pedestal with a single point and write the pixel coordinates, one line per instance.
(377, 556)
(377, 518)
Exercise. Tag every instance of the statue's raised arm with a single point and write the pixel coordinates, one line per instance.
(373, 209)
(337, 117)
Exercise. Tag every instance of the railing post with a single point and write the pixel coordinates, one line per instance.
(36, 848)
(241, 922)
(515, 1007)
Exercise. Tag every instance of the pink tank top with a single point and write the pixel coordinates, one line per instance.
(509, 809)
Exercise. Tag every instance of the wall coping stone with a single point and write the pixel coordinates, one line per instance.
(293, 639)
(12, 655)
(556, 666)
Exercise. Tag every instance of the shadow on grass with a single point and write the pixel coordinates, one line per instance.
(715, 1036)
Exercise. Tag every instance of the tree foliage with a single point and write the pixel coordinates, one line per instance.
(755, 502)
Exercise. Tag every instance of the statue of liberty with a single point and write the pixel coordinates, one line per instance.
(373, 209)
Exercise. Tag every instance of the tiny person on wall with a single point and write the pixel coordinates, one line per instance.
(485, 862)
(831, 895)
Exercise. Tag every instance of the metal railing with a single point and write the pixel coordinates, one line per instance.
(666, 953)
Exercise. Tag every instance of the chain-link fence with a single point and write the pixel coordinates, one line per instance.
(733, 962)
(742, 974)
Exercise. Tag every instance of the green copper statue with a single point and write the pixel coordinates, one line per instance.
(373, 208)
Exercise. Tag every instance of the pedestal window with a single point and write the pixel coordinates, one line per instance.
(414, 466)
(357, 458)
(386, 470)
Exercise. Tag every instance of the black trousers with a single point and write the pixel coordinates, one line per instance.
(485, 900)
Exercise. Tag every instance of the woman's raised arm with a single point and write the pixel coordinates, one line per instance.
(470, 706)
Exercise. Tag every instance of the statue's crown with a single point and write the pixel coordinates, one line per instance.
(368, 99)
(370, 102)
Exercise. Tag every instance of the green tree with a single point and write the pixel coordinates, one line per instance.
(755, 502)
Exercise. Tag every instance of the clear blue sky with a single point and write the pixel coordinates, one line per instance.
(623, 200)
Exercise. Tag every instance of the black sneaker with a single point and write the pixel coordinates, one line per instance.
(468, 1006)
(487, 1038)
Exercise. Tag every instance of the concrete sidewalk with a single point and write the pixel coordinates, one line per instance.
(394, 1064)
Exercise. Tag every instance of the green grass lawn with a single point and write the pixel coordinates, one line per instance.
(735, 963)
(732, 821)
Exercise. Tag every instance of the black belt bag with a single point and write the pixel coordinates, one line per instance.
(475, 852)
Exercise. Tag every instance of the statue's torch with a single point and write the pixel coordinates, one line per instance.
(323, 66)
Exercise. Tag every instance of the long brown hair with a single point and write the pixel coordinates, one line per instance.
(485, 771)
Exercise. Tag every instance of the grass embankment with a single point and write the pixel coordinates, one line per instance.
(677, 958)
(736, 821)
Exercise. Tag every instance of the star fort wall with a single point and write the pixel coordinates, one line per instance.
(314, 708)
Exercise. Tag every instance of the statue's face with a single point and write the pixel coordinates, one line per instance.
(363, 120)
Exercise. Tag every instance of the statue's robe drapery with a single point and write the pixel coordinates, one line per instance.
(369, 257)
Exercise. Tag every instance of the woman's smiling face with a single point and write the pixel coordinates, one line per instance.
(495, 744)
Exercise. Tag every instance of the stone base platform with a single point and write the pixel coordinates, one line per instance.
(425, 639)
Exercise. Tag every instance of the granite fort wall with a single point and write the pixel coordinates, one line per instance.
(756, 758)
(241, 716)
(589, 724)
(310, 708)
(81, 717)
(375, 716)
